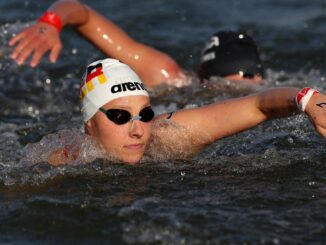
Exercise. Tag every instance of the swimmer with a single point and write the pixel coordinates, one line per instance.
(117, 114)
(232, 55)
(227, 54)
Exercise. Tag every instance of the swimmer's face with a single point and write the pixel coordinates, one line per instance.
(128, 141)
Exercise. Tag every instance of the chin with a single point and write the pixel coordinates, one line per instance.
(132, 159)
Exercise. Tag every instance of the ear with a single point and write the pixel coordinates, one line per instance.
(89, 127)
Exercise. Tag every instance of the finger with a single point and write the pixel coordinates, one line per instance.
(38, 54)
(16, 38)
(24, 50)
(25, 53)
(21, 46)
(55, 52)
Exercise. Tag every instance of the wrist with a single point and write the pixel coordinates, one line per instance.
(303, 97)
(51, 18)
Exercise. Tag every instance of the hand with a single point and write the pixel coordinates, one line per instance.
(316, 110)
(35, 41)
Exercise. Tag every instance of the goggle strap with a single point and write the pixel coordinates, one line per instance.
(102, 110)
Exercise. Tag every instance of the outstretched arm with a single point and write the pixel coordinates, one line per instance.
(226, 118)
(153, 66)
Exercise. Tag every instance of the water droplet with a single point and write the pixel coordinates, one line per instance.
(312, 183)
(290, 140)
(276, 241)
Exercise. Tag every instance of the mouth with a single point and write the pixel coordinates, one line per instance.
(135, 147)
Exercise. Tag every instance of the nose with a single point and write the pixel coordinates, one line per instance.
(136, 129)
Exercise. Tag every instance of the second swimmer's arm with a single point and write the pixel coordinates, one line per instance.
(153, 66)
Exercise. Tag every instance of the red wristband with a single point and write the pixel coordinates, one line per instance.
(52, 19)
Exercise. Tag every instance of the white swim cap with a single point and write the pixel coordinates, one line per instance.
(106, 80)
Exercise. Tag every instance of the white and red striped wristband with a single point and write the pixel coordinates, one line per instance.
(304, 96)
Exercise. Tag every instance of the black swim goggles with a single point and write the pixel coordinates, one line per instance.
(120, 116)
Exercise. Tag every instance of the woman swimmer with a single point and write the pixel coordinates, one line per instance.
(117, 114)
(227, 54)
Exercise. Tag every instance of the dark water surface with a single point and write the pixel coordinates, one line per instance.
(263, 186)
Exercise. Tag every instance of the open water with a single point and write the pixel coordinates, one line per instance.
(263, 186)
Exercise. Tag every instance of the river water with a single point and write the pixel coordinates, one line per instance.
(263, 186)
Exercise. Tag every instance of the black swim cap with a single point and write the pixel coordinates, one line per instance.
(229, 53)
